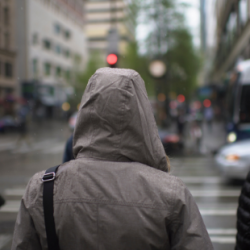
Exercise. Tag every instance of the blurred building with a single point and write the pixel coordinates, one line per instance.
(101, 17)
(51, 46)
(233, 35)
(8, 83)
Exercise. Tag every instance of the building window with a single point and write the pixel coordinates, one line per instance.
(58, 49)
(35, 67)
(6, 16)
(67, 34)
(35, 38)
(243, 12)
(231, 28)
(57, 28)
(67, 53)
(6, 40)
(77, 58)
(58, 71)
(8, 70)
(67, 74)
(47, 44)
(47, 69)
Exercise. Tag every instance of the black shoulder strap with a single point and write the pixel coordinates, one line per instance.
(48, 188)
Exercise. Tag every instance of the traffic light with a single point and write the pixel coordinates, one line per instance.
(112, 48)
(112, 60)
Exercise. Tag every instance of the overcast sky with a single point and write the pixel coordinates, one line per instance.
(192, 15)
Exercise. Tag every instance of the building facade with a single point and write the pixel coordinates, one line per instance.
(51, 46)
(8, 83)
(104, 15)
(232, 35)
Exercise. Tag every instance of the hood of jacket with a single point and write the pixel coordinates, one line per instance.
(115, 121)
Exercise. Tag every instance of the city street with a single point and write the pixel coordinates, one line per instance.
(216, 198)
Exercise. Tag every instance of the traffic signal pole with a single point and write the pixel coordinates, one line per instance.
(112, 38)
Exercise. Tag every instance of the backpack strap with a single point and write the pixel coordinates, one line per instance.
(48, 188)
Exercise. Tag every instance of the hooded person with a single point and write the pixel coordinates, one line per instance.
(117, 192)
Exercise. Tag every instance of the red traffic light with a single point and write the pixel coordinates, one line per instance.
(207, 103)
(181, 98)
(112, 59)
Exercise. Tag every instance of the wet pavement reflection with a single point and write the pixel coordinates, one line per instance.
(216, 197)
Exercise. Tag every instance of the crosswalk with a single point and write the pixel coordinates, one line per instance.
(216, 200)
(219, 235)
(45, 146)
(5, 240)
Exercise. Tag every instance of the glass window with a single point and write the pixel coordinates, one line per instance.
(35, 38)
(243, 12)
(58, 49)
(67, 53)
(8, 70)
(231, 27)
(67, 34)
(67, 74)
(6, 15)
(47, 44)
(58, 71)
(57, 28)
(245, 104)
(35, 66)
(47, 69)
(6, 40)
(77, 58)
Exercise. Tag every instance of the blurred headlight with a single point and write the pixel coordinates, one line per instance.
(231, 137)
(232, 157)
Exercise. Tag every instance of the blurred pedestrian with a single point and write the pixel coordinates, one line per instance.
(117, 193)
(22, 124)
(180, 122)
(209, 115)
(243, 217)
(68, 151)
(196, 134)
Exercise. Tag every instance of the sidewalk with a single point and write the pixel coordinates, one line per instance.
(212, 139)
(38, 130)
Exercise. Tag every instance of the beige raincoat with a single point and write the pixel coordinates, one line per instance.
(117, 193)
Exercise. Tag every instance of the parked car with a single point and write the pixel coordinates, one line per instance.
(233, 159)
(171, 141)
(8, 123)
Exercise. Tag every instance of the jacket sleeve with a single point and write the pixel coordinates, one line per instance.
(187, 227)
(25, 236)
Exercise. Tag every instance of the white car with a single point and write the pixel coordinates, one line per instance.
(234, 159)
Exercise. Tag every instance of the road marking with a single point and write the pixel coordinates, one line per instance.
(223, 240)
(222, 231)
(14, 192)
(4, 239)
(209, 212)
(59, 148)
(10, 207)
(34, 146)
(198, 180)
(215, 193)
(7, 146)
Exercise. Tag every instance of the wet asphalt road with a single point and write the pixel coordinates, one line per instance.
(216, 198)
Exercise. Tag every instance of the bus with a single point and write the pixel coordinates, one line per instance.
(238, 103)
